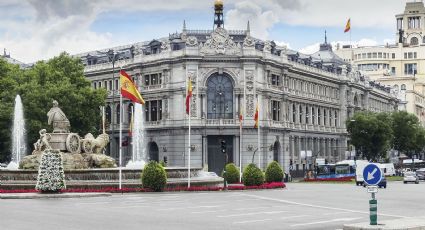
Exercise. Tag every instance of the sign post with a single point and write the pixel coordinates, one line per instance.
(372, 176)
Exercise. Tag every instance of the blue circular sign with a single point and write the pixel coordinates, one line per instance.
(372, 174)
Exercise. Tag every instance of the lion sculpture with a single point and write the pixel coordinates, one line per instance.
(91, 145)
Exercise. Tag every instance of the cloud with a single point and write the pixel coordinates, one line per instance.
(260, 20)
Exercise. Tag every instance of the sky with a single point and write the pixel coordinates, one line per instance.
(34, 30)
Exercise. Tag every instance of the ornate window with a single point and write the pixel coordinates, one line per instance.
(414, 41)
(153, 110)
(275, 110)
(220, 97)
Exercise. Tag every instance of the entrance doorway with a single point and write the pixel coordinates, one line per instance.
(216, 159)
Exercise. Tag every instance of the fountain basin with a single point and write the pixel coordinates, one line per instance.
(105, 178)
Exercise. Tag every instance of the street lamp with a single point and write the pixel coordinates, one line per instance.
(113, 57)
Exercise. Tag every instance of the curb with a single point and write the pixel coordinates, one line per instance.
(51, 196)
(411, 223)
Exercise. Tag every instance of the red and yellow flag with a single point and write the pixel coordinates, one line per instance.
(129, 89)
(189, 95)
(348, 26)
(256, 116)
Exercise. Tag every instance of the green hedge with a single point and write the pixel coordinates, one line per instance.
(232, 173)
(274, 173)
(252, 175)
(154, 176)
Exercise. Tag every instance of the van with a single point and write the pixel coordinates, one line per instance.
(388, 169)
(360, 165)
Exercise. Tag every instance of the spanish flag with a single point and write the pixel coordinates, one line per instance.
(348, 26)
(256, 116)
(129, 89)
(189, 95)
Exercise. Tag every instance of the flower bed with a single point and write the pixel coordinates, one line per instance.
(340, 179)
(272, 185)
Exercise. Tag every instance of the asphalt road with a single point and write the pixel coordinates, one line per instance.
(300, 206)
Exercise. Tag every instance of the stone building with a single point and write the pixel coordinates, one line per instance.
(304, 100)
(401, 65)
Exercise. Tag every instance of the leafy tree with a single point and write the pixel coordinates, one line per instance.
(371, 133)
(61, 78)
(407, 133)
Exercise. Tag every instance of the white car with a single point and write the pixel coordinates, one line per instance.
(410, 177)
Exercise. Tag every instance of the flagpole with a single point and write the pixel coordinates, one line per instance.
(188, 159)
(120, 152)
(259, 148)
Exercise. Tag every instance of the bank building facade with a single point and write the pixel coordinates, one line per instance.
(304, 100)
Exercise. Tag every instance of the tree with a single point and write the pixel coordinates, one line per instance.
(407, 133)
(371, 134)
(61, 78)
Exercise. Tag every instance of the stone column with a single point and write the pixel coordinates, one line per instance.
(285, 153)
(343, 104)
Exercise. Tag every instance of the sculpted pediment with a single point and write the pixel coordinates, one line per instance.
(220, 43)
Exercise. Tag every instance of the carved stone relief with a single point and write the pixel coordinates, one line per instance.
(248, 42)
(220, 43)
(191, 41)
(165, 45)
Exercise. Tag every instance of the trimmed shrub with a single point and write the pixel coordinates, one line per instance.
(232, 173)
(252, 175)
(274, 173)
(154, 177)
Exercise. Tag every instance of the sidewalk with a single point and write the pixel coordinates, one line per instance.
(413, 223)
(49, 196)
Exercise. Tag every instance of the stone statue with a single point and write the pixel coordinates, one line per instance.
(43, 143)
(92, 145)
(57, 118)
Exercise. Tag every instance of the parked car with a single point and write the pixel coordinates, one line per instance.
(421, 173)
(410, 177)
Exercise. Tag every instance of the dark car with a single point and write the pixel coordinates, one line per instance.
(381, 184)
(421, 173)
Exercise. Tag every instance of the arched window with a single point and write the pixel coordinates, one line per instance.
(403, 87)
(108, 114)
(129, 112)
(414, 41)
(118, 111)
(220, 97)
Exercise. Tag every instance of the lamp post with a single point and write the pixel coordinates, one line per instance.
(113, 57)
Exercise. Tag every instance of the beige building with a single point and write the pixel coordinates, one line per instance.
(401, 65)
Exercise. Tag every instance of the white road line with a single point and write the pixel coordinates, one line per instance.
(251, 213)
(290, 217)
(326, 221)
(319, 206)
(334, 213)
(251, 221)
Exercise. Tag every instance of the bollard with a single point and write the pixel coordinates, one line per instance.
(373, 208)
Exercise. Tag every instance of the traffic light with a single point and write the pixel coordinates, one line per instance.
(223, 146)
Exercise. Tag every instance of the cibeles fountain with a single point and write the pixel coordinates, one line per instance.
(84, 162)
(77, 152)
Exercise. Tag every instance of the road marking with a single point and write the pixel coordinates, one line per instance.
(319, 206)
(334, 213)
(251, 221)
(290, 217)
(251, 213)
(327, 221)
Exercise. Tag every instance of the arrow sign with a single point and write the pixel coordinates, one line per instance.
(372, 174)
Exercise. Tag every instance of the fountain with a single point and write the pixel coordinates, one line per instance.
(18, 135)
(138, 159)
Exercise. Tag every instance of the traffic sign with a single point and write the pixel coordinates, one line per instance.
(372, 174)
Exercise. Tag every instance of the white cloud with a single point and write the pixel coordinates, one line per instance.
(310, 49)
(40, 29)
(260, 20)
